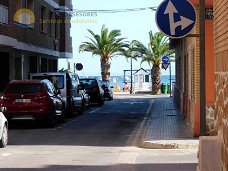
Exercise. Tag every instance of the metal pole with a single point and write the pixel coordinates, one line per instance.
(202, 70)
(170, 80)
(131, 77)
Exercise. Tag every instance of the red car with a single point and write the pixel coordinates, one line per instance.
(32, 100)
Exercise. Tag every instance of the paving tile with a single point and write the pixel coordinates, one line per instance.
(167, 125)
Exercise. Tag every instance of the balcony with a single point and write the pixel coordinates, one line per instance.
(3, 15)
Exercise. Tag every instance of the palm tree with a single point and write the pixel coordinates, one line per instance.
(106, 46)
(157, 48)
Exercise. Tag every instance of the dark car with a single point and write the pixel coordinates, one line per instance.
(86, 97)
(108, 89)
(32, 100)
(94, 90)
(81, 90)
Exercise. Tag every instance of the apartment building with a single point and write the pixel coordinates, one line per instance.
(34, 34)
(187, 87)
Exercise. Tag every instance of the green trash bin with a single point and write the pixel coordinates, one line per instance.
(164, 88)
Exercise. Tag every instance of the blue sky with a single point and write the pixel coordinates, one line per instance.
(133, 25)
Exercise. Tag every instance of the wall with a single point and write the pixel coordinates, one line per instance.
(188, 85)
(221, 76)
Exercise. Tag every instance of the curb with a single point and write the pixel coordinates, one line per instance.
(172, 144)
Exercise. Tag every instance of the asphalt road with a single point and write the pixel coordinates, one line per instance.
(104, 138)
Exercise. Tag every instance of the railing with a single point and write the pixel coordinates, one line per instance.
(3, 15)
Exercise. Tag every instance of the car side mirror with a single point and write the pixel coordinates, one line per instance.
(57, 92)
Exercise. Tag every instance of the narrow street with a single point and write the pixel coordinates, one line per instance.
(103, 138)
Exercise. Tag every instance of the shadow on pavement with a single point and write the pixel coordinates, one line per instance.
(121, 167)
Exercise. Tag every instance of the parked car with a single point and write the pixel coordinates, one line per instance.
(32, 100)
(94, 90)
(69, 88)
(108, 89)
(3, 130)
(86, 97)
(82, 90)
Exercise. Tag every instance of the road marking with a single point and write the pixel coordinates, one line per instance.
(5, 154)
(93, 111)
(148, 110)
(132, 102)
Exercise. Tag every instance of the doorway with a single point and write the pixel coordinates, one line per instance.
(4, 70)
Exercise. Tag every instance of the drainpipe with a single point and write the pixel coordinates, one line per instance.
(202, 70)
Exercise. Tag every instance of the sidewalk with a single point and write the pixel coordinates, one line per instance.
(166, 128)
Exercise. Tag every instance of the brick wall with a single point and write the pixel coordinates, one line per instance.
(35, 36)
(221, 76)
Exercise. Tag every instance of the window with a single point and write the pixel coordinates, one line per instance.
(51, 27)
(23, 88)
(19, 4)
(147, 78)
(43, 19)
(3, 14)
(48, 88)
(30, 6)
(33, 64)
(57, 80)
(44, 65)
(193, 74)
(57, 26)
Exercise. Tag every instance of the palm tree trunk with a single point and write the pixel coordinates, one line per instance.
(105, 69)
(156, 79)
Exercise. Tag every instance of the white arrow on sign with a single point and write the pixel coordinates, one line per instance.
(165, 59)
(184, 22)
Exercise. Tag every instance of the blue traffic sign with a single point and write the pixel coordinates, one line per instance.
(176, 19)
(165, 59)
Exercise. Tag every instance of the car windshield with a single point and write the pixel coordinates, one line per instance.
(104, 83)
(23, 89)
(57, 80)
(89, 83)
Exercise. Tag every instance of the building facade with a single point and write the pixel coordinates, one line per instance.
(187, 86)
(34, 34)
(213, 151)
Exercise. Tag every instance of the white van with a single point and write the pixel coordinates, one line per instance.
(68, 86)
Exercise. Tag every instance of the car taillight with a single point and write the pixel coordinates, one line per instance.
(94, 89)
(3, 98)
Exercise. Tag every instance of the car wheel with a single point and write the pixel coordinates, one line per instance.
(101, 102)
(81, 110)
(62, 117)
(69, 111)
(52, 120)
(88, 105)
(110, 98)
(4, 138)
